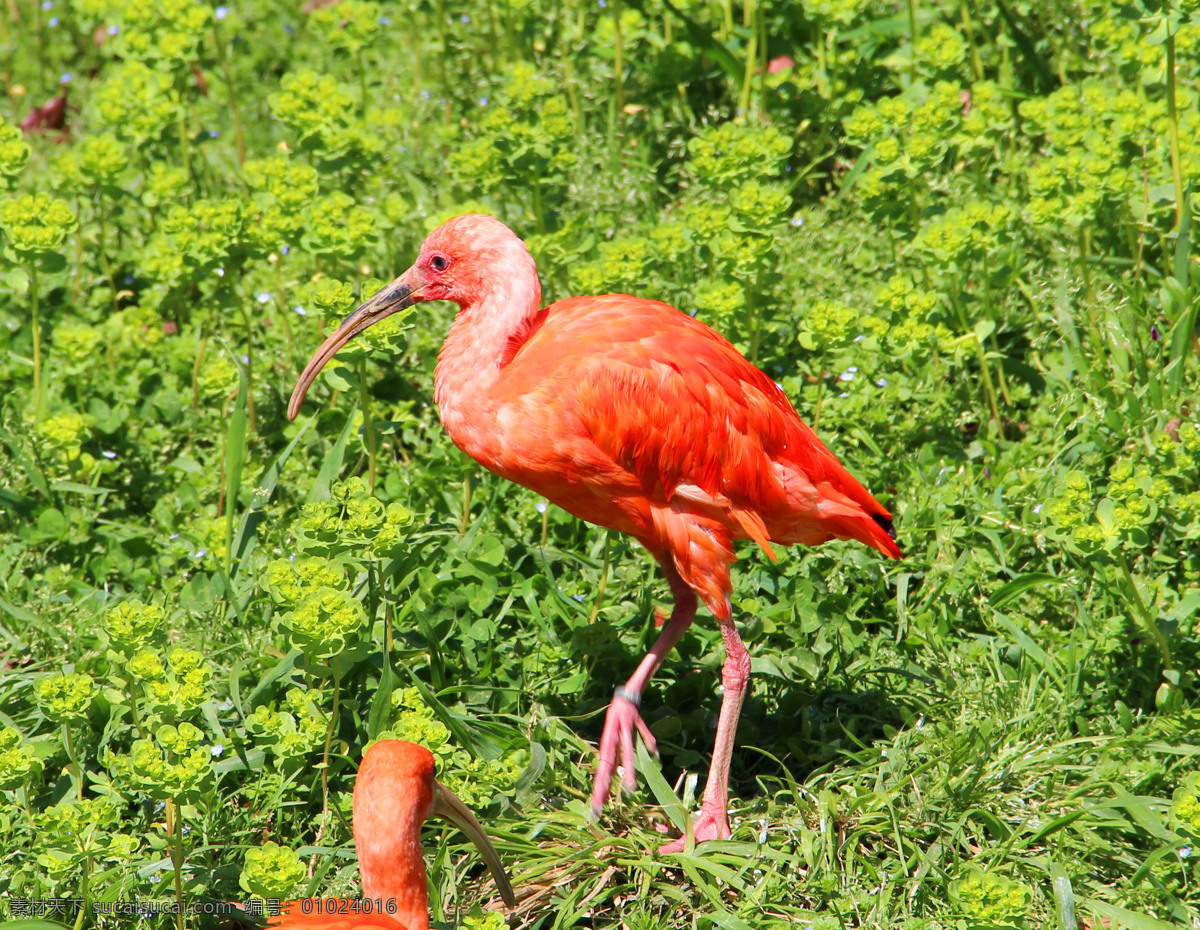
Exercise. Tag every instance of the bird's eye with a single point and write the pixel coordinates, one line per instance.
(439, 262)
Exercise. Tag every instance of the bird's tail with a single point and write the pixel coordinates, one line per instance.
(838, 515)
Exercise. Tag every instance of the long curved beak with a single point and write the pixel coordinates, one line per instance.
(398, 295)
(448, 805)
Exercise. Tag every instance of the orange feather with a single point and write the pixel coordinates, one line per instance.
(394, 794)
(630, 415)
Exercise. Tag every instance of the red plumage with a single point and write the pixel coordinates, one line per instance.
(630, 415)
(393, 795)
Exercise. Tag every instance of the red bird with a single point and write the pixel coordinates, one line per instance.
(394, 794)
(630, 415)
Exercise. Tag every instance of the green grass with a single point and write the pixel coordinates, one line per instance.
(960, 235)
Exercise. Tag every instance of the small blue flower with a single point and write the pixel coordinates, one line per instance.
(66, 78)
(213, 134)
(201, 554)
(300, 310)
(216, 750)
(47, 4)
(222, 12)
(483, 101)
(541, 506)
(264, 297)
(245, 359)
(109, 455)
(53, 22)
(882, 382)
(385, 20)
(848, 374)
(797, 220)
(466, 18)
(220, 272)
(113, 30)
(284, 250)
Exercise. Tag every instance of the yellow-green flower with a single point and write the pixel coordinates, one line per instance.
(66, 697)
(36, 223)
(17, 763)
(271, 871)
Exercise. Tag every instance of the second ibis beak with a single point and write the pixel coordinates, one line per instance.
(398, 295)
(448, 805)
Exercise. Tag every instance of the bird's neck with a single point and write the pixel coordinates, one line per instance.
(393, 870)
(483, 339)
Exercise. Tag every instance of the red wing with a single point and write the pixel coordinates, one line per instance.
(676, 406)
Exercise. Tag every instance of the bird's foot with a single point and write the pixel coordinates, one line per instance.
(712, 823)
(616, 742)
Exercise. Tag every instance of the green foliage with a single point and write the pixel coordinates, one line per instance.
(271, 871)
(960, 236)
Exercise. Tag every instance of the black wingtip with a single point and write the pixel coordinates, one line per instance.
(886, 523)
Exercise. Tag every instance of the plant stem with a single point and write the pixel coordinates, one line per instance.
(76, 769)
(333, 716)
(137, 722)
(440, 13)
(603, 578)
(39, 398)
(912, 38)
(185, 153)
(748, 13)
(539, 215)
(253, 420)
(362, 80)
(282, 304)
(175, 832)
(1148, 621)
(102, 247)
(364, 400)
(976, 61)
(989, 389)
(238, 134)
(619, 56)
(1173, 131)
(84, 892)
(753, 321)
(466, 510)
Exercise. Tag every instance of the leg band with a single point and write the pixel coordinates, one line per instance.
(633, 697)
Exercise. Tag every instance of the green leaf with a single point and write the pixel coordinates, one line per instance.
(332, 466)
(1133, 920)
(235, 457)
(381, 703)
(1019, 585)
(17, 280)
(650, 771)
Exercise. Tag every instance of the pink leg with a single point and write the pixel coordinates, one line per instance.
(623, 717)
(712, 823)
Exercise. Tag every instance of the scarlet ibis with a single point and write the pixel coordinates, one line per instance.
(394, 794)
(630, 415)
